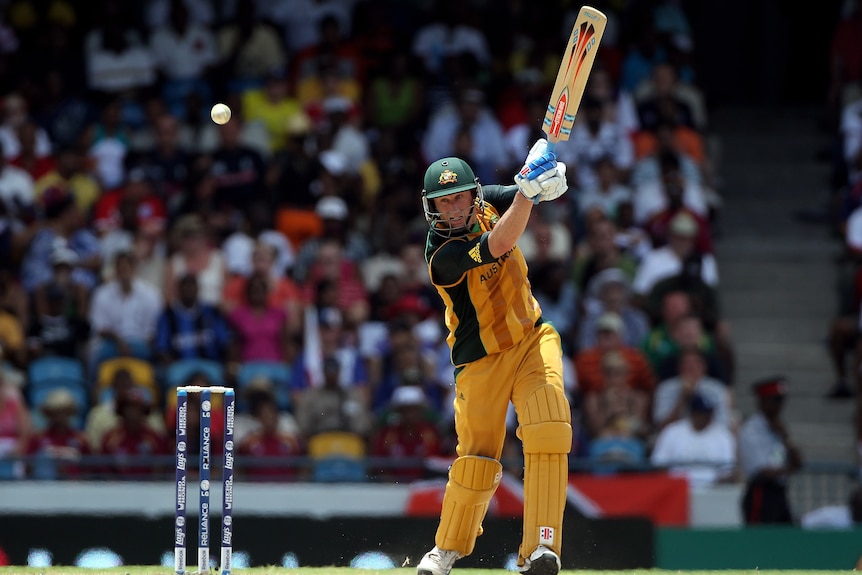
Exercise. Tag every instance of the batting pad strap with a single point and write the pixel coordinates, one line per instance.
(547, 437)
(472, 483)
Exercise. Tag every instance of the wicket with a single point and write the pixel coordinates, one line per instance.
(204, 480)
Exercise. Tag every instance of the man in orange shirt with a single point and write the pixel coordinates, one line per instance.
(588, 362)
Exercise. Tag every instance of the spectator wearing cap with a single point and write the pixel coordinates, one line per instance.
(63, 224)
(588, 362)
(672, 395)
(699, 446)
(768, 456)
(610, 291)
(335, 217)
(617, 409)
(406, 433)
(132, 442)
(668, 260)
(60, 442)
(273, 104)
(123, 315)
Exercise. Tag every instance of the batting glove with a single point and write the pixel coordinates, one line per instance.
(555, 185)
(530, 178)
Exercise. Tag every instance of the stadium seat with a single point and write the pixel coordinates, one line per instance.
(277, 373)
(180, 371)
(142, 371)
(337, 457)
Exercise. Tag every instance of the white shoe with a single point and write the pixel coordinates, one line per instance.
(542, 561)
(437, 562)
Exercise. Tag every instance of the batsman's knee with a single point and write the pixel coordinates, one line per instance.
(545, 424)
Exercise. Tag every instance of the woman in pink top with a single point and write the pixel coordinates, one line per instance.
(260, 329)
(14, 428)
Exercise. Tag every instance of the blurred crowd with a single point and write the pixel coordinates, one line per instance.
(144, 247)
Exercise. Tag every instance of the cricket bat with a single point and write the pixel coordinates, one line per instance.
(573, 74)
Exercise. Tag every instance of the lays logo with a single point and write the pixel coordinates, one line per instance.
(447, 177)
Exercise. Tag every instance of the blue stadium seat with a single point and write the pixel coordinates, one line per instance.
(179, 371)
(276, 372)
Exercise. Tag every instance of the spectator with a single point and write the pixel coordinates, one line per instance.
(662, 262)
(607, 191)
(332, 406)
(588, 362)
(107, 142)
(63, 224)
(698, 446)
(555, 291)
(269, 442)
(60, 442)
(617, 409)
(123, 314)
(249, 47)
(184, 53)
(167, 163)
(273, 104)
(257, 227)
(768, 456)
(102, 416)
(261, 389)
(17, 190)
(673, 396)
(58, 328)
(237, 169)
(261, 332)
(687, 332)
(194, 253)
(336, 274)
(69, 174)
(405, 434)
(29, 159)
(610, 291)
(470, 112)
(132, 443)
(15, 428)
(657, 200)
(595, 137)
(189, 328)
(600, 252)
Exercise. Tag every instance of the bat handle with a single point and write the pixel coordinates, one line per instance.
(552, 147)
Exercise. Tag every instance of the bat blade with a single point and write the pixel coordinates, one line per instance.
(573, 74)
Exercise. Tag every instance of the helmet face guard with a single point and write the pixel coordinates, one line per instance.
(438, 222)
(445, 177)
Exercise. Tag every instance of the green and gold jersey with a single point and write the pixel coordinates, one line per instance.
(489, 305)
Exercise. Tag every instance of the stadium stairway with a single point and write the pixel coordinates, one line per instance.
(777, 271)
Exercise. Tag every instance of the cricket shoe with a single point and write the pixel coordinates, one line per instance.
(542, 561)
(437, 562)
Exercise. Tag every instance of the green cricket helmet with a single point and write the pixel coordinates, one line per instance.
(442, 178)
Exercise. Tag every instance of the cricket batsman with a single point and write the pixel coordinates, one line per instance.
(502, 351)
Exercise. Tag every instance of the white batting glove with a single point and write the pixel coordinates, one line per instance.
(555, 185)
(534, 173)
(538, 149)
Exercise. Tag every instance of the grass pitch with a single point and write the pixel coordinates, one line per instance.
(143, 570)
